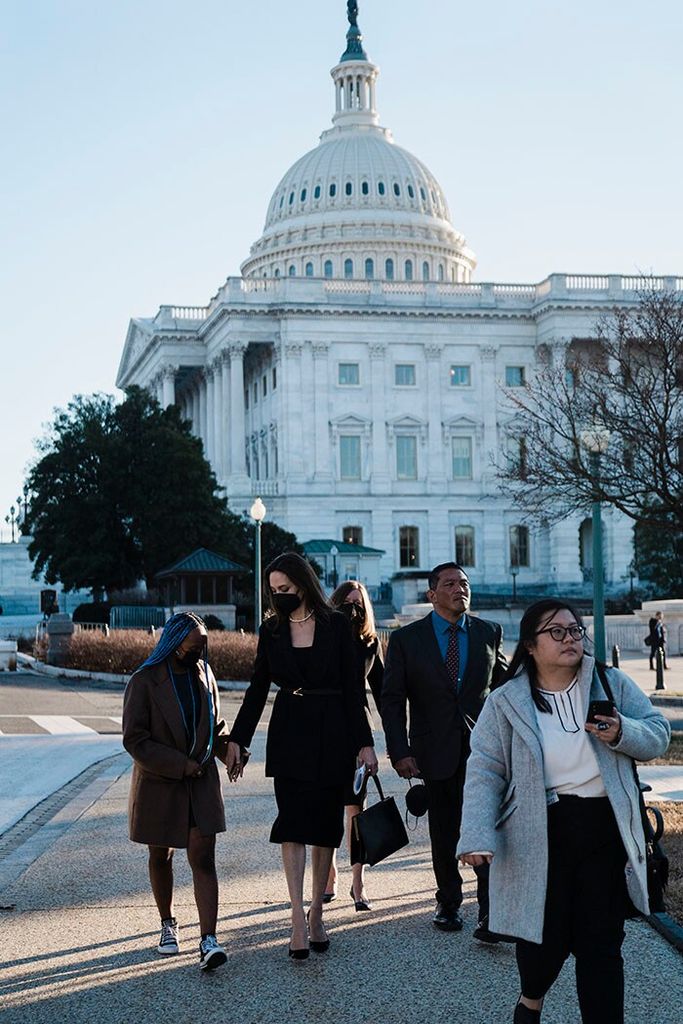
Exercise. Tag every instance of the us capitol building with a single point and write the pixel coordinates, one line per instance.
(352, 374)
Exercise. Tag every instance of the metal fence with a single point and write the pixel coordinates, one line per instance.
(136, 617)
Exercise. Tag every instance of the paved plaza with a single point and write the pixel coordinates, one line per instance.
(79, 926)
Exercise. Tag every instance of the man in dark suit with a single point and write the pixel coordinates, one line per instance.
(442, 667)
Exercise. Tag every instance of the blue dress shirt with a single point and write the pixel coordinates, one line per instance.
(441, 627)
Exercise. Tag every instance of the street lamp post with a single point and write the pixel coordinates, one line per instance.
(258, 514)
(334, 551)
(595, 440)
(12, 521)
(514, 572)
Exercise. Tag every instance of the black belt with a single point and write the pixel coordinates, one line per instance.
(311, 693)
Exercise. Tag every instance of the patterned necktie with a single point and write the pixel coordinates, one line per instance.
(453, 655)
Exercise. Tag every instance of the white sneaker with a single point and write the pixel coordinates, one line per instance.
(211, 955)
(168, 941)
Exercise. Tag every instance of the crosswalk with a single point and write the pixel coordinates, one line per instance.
(59, 725)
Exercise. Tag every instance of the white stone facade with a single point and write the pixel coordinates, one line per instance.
(351, 376)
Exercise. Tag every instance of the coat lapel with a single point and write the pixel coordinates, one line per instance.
(522, 714)
(164, 697)
(475, 667)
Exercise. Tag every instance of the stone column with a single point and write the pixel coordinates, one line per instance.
(210, 421)
(291, 462)
(323, 453)
(380, 478)
(237, 436)
(201, 388)
(489, 403)
(218, 439)
(307, 397)
(225, 426)
(168, 385)
(436, 474)
(159, 387)
(194, 405)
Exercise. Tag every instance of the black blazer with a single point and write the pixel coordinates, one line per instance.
(311, 737)
(372, 667)
(415, 675)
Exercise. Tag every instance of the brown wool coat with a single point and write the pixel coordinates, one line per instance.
(161, 796)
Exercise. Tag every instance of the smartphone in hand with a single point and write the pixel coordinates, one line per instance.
(599, 707)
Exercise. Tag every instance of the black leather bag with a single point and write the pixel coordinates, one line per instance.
(657, 861)
(378, 831)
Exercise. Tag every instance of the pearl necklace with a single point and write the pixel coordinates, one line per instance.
(305, 618)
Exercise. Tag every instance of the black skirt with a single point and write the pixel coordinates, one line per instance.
(308, 812)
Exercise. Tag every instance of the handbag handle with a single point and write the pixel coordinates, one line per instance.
(375, 779)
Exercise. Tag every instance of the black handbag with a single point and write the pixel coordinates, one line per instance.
(378, 831)
(657, 862)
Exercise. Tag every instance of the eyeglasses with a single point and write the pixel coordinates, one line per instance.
(558, 633)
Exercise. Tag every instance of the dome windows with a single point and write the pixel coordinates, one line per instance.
(309, 270)
(291, 198)
(381, 189)
(333, 190)
(282, 201)
(348, 269)
(389, 269)
(411, 191)
(440, 271)
(316, 192)
(369, 269)
(423, 195)
(425, 271)
(408, 270)
(304, 193)
(327, 269)
(292, 270)
(348, 188)
(365, 188)
(277, 272)
(397, 189)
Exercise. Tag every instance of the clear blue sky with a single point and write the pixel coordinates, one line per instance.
(143, 139)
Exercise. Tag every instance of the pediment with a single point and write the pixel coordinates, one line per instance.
(138, 338)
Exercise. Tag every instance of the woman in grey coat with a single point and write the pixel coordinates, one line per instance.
(551, 803)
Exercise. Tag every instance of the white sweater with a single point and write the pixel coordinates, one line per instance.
(570, 764)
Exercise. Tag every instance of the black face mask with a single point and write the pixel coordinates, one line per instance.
(417, 800)
(285, 604)
(354, 613)
(190, 658)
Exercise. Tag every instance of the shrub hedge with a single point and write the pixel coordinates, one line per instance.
(231, 655)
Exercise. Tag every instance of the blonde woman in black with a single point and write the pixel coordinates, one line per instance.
(318, 732)
(353, 601)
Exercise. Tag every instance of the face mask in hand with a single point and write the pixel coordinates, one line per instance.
(285, 604)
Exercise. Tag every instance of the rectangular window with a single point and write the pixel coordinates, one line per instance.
(349, 457)
(515, 377)
(404, 375)
(246, 398)
(464, 546)
(519, 546)
(409, 551)
(462, 458)
(352, 534)
(274, 377)
(517, 455)
(255, 392)
(349, 375)
(461, 376)
(406, 457)
(265, 385)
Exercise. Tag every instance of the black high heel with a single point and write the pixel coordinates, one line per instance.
(317, 947)
(298, 954)
(361, 904)
(523, 1015)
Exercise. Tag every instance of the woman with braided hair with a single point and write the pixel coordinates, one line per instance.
(173, 732)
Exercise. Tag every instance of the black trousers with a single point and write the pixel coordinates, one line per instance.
(653, 654)
(584, 910)
(445, 816)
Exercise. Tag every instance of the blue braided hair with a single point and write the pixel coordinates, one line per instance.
(174, 632)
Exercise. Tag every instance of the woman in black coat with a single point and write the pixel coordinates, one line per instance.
(318, 729)
(353, 601)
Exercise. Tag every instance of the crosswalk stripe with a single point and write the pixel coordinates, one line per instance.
(59, 725)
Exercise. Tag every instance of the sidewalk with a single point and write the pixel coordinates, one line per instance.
(79, 945)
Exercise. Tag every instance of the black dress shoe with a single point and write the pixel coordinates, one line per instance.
(298, 954)
(362, 903)
(318, 946)
(482, 933)
(523, 1015)
(447, 919)
(328, 897)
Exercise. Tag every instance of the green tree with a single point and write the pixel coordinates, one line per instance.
(659, 558)
(120, 491)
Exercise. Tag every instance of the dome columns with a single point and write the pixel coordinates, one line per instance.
(354, 83)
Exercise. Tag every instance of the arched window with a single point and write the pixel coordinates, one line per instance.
(397, 189)
(389, 269)
(303, 195)
(411, 191)
(380, 188)
(316, 192)
(277, 272)
(425, 271)
(365, 188)
(348, 268)
(327, 269)
(440, 271)
(408, 270)
(309, 270)
(333, 190)
(282, 199)
(423, 194)
(291, 198)
(348, 188)
(369, 269)
(292, 270)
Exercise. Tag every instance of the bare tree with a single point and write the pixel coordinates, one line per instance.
(625, 383)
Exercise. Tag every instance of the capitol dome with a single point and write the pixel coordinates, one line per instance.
(358, 205)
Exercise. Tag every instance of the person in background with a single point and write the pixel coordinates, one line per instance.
(173, 731)
(352, 599)
(657, 639)
(442, 667)
(552, 803)
(318, 731)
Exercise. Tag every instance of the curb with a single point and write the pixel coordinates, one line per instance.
(666, 702)
(668, 928)
(113, 678)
